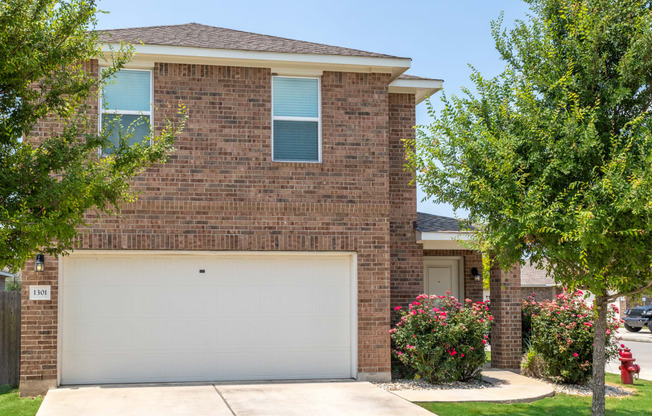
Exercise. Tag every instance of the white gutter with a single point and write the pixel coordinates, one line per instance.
(443, 236)
(421, 88)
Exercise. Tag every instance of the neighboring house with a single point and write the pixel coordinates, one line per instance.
(536, 281)
(274, 241)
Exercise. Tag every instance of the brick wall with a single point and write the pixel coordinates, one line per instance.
(505, 288)
(38, 330)
(540, 293)
(406, 254)
(220, 190)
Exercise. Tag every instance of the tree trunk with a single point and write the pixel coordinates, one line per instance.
(599, 340)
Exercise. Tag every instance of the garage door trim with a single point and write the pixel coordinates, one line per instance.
(63, 261)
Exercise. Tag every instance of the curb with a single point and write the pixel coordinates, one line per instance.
(647, 338)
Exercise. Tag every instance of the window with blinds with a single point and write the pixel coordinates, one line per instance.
(126, 109)
(296, 119)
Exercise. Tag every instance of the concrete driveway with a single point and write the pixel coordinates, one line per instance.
(243, 399)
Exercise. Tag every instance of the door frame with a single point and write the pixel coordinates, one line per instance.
(429, 261)
(353, 267)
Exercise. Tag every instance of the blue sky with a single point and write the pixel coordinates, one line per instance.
(441, 36)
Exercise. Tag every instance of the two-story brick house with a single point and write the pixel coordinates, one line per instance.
(273, 242)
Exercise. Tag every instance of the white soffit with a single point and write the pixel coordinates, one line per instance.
(443, 240)
(421, 88)
(276, 60)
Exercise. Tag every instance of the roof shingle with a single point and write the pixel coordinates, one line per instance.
(436, 223)
(196, 35)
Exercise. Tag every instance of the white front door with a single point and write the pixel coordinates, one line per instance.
(441, 275)
(173, 317)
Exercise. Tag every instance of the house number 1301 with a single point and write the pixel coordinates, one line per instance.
(39, 293)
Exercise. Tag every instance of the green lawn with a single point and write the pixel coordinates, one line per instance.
(12, 405)
(640, 403)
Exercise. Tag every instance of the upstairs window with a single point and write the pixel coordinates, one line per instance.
(127, 106)
(296, 119)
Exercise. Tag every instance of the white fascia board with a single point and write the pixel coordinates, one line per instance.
(6, 274)
(444, 236)
(525, 286)
(183, 54)
(421, 88)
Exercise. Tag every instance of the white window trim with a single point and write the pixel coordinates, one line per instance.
(149, 113)
(289, 118)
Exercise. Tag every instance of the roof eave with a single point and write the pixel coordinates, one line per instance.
(443, 240)
(148, 54)
(421, 88)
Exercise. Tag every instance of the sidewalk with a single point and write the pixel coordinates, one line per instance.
(511, 388)
(643, 336)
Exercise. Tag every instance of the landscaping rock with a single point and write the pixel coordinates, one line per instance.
(403, 384)
(611, 390)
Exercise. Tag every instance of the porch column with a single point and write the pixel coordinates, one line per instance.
(505, 296)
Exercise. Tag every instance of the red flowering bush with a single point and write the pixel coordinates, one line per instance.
(441, 339)
(562, 335)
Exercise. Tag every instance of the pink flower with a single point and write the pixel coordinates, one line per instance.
(608, 331)
(484, 341)
(399, 353)
(472, 349)
(575, 355)
(462, 355)
(391, 331)
(416, 303)
(398, 308)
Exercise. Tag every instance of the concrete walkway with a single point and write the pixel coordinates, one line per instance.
(511, 388)
(339, 398)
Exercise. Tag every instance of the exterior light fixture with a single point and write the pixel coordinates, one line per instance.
(39, 264)
(476, 274)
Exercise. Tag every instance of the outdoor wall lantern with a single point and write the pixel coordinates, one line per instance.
(39, 264)
(476, 274)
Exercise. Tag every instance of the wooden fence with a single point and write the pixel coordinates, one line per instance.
(9, 337)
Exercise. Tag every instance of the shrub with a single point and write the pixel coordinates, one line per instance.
(530, 308)
(440, 339)
(533, 364)
(562, 334)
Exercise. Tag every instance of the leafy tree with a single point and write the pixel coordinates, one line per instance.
(48, 182)
(553, 157)
(13, 284)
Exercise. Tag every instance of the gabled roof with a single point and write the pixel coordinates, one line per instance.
(196, 35)
(436, 223)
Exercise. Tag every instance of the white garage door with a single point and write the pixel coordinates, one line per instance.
(159, 318)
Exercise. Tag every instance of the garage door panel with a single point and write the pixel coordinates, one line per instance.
(150, 318)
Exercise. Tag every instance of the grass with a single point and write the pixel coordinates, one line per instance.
(12, 405)
(638, 404)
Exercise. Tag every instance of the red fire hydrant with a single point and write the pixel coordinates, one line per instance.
(627, 367)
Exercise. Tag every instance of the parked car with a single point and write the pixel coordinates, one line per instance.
(638, 318)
